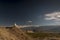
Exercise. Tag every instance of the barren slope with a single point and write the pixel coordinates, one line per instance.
(13, 33)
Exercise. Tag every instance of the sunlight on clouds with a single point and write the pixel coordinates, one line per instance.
(53, 16)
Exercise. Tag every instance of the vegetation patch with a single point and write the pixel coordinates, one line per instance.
(43, 35)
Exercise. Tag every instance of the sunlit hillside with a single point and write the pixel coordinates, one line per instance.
(12, 33)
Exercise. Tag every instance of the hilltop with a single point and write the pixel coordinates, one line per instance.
(13, 33)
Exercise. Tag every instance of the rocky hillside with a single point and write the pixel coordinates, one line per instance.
(13, 33)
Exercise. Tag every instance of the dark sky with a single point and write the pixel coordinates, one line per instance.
(21, 11)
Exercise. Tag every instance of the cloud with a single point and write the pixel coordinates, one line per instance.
(30, 21)
(52, 16)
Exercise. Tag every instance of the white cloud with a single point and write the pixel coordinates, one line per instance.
(29, 21)
(53, 16)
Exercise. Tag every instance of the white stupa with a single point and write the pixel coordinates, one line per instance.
(15, 25)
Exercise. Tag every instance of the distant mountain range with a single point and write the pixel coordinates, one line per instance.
(57, 29)
(43, 28)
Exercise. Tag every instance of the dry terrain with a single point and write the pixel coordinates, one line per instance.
(13, 33)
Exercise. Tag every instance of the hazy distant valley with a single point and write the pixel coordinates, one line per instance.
(43, 28)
